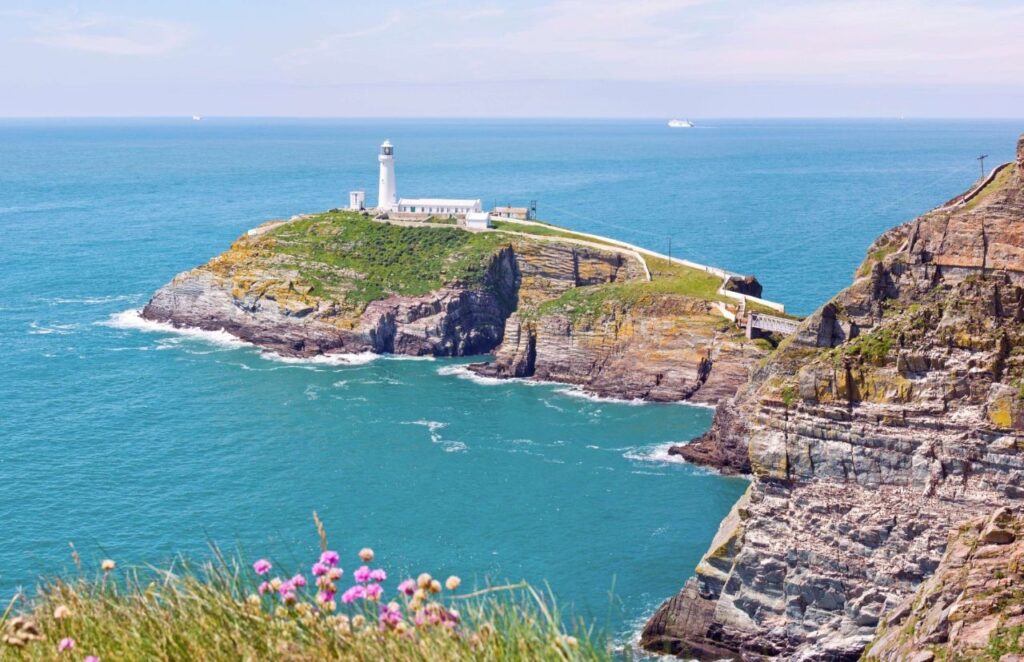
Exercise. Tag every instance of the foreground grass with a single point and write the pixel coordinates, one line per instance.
(220, 612)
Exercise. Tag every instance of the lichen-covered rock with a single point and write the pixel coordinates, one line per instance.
(894, 414)
(972, 607)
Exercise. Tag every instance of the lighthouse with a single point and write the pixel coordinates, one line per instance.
(386, 197)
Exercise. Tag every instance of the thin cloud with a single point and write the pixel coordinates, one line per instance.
(108, 35)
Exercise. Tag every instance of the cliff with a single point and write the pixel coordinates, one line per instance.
(892, 416)
(551, 305)
(972, 607)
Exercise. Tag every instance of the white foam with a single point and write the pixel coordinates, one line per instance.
(37, 329)
(657, 453)
(578, 392)
(434, 428)
(462, 371)
(92, 301)
(133, 319)
(336, 359)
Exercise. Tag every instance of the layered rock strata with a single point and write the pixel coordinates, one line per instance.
(892, 416)
(663, 347)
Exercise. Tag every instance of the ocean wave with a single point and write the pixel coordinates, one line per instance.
(133, 320)
(339, 359)
(463, 372)
(37, 329)
(578, 392)
(92, 301)
(658, 453)
(434, 428)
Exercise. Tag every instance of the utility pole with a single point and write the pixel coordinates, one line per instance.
(981, 160)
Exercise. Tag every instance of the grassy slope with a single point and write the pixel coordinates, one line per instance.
(367, 260)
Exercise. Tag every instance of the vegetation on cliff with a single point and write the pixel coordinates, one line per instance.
(353, 259)
(224, 610)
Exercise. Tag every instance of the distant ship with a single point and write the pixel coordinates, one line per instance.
(196, 118)
(681, 124)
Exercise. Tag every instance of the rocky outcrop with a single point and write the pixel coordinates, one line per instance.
(972, 607)
(893, 415)
(661, 348)
(269, 290)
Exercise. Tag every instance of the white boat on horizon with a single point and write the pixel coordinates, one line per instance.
(681, 124)
(196, 118)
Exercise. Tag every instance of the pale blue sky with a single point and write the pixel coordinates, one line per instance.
(492, 58)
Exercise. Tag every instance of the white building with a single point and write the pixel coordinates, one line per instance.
(387, 199)
(438, 206)
(478, 220)
(357, 200)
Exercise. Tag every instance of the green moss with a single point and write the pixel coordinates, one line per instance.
(872, 347)
(789, 396)
(368, 260)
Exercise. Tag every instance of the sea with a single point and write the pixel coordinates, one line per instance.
(140, 444)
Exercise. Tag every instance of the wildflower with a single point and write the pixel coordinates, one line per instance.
(353, 594)
(254, 600)
(91, 658)
(275, 583)
(362, 574)
(390, 614)
(61, 612)
(329, 606)
(264, 588)
(452, 583)
(66, 644)
(329, 558)
(289, 597)
(378, 575)
(435, 586)
(304, 608)
(261, 566)
(454, 615)
(108, 564)
(366, 554)
(373, 591)
(334, 574)
(419, 594)
(280, 611)
(569, 641)
(326, 596)
(319, 569)
(358, 621)
(423, 581)
(286, 587)
(298, 581)
(408, 587)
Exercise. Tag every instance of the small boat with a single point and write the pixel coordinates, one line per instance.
(681, 124)
(196, 118)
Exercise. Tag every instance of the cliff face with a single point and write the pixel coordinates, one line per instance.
(894, 414)
(661, 348)
(343, 283)
(973, 605)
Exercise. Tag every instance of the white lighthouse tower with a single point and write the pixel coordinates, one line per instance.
(386, 196)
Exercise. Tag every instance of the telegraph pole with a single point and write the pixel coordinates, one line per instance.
(981, 160)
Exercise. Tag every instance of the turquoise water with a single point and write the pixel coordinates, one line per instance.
(139, 444)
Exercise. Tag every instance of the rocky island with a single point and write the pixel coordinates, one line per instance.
(551, 304)
(884, 440)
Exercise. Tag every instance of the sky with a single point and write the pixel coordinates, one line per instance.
(522, 58)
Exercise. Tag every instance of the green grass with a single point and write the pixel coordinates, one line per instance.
(999, 182)
(548, 231)
(214, 613)
(370, 260)
(668, 279)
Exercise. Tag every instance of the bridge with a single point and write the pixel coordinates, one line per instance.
(771, 324)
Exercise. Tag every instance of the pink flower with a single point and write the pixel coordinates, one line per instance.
(298, 581)
(329, 557)
(378, 575)
(353, 594)
(91, 658)
(264, 588)
(286, 587)
(390, 614)
(373, 591)
(320, 569)
(262, 567)
(66, 644)
(408, 587)
(362, 574)
(326, 596)
(289, 597)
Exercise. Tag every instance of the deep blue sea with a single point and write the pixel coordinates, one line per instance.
(139, 444)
